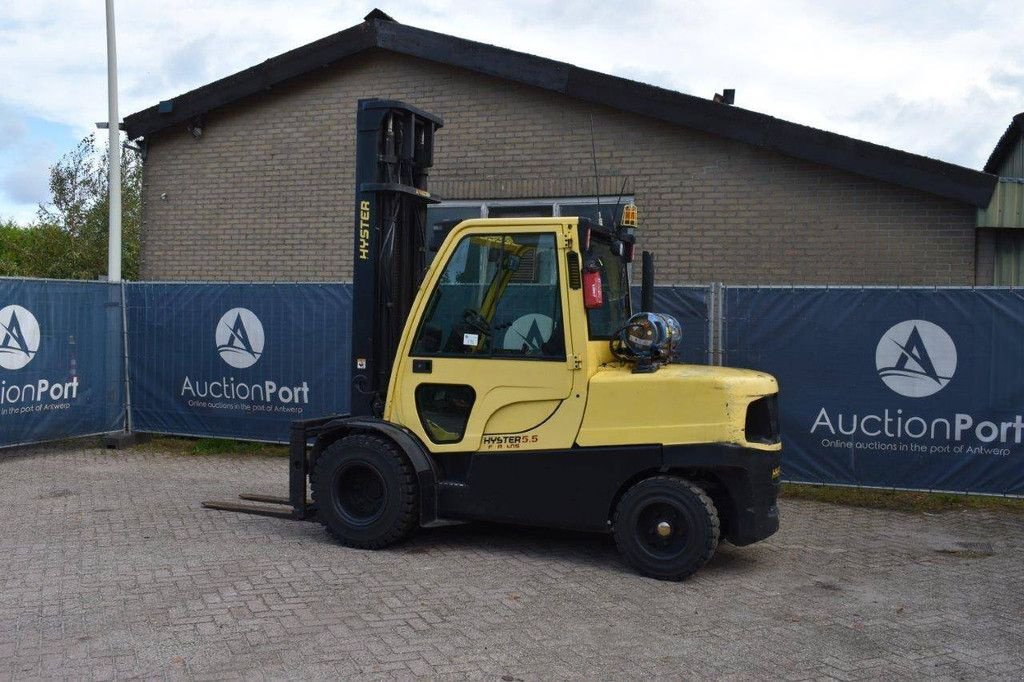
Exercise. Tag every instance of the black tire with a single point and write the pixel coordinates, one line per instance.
(692, 533)
(365, 492)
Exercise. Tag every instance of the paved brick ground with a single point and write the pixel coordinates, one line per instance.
(109, 568)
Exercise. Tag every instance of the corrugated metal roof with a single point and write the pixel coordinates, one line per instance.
(1008, 143)
(1007, 206)
(1013, 164)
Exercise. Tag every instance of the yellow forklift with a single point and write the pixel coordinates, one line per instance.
(510, 381)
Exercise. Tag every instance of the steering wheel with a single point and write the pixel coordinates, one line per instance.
(475, 320)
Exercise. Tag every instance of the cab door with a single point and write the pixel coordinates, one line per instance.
(489, 365)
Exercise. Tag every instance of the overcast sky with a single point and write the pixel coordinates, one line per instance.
(936, 78)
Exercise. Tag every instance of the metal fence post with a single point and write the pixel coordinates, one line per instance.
(717, 312)
(710, 306)
(124, 350)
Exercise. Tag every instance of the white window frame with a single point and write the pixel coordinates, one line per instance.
(555, 203)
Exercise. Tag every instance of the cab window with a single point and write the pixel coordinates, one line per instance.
(614, 312)
(444, 410)
(498, 297)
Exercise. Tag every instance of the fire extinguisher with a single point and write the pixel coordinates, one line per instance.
(593, 296)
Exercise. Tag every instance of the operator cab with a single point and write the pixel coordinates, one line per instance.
(605, 276)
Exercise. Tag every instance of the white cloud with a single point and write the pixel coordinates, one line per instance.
(12, 128)
(27, 183)
(937, 79)
(940, 80)
(25, 177)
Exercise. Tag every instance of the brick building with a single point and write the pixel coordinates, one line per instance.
(251, 177)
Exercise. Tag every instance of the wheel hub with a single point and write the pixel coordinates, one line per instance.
(360, 495)
(662, 528)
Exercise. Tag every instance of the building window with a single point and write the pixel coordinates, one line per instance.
(584, 207)
(1009, 257)
(523, 211)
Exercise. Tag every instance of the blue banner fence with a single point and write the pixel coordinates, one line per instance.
(236, 360)
(887, 387)
(61, 360)
(910, 388)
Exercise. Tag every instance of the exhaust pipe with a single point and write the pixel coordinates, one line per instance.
(647, 283)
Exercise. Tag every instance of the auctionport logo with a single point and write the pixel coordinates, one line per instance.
(916, 358)
(19, 337)
(240, 338)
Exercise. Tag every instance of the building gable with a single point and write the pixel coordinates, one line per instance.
(760, 130)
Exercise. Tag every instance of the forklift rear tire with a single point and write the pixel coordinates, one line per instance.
(365, 492)
(666, 527)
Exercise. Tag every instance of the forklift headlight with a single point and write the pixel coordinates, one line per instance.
(762, 423)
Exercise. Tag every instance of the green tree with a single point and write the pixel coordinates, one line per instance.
(40, 250)
(69, 238)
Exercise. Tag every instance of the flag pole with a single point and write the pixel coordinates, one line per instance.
(114, 147)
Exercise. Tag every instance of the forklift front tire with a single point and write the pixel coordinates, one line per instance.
(365, 492)
(666, 527)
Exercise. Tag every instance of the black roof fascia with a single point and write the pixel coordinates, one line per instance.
(263, 76)
(792, 139)
(480, 57)
(1006, 144)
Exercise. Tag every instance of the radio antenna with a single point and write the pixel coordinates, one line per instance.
(597, 183)
(618, 202)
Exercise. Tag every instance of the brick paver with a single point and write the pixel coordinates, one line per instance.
(109, 568)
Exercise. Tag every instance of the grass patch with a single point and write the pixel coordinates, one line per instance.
(213, 446)
(900, 500)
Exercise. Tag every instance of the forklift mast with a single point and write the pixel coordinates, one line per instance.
(394, 152)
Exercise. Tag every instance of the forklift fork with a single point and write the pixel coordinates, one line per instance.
(297, 505)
